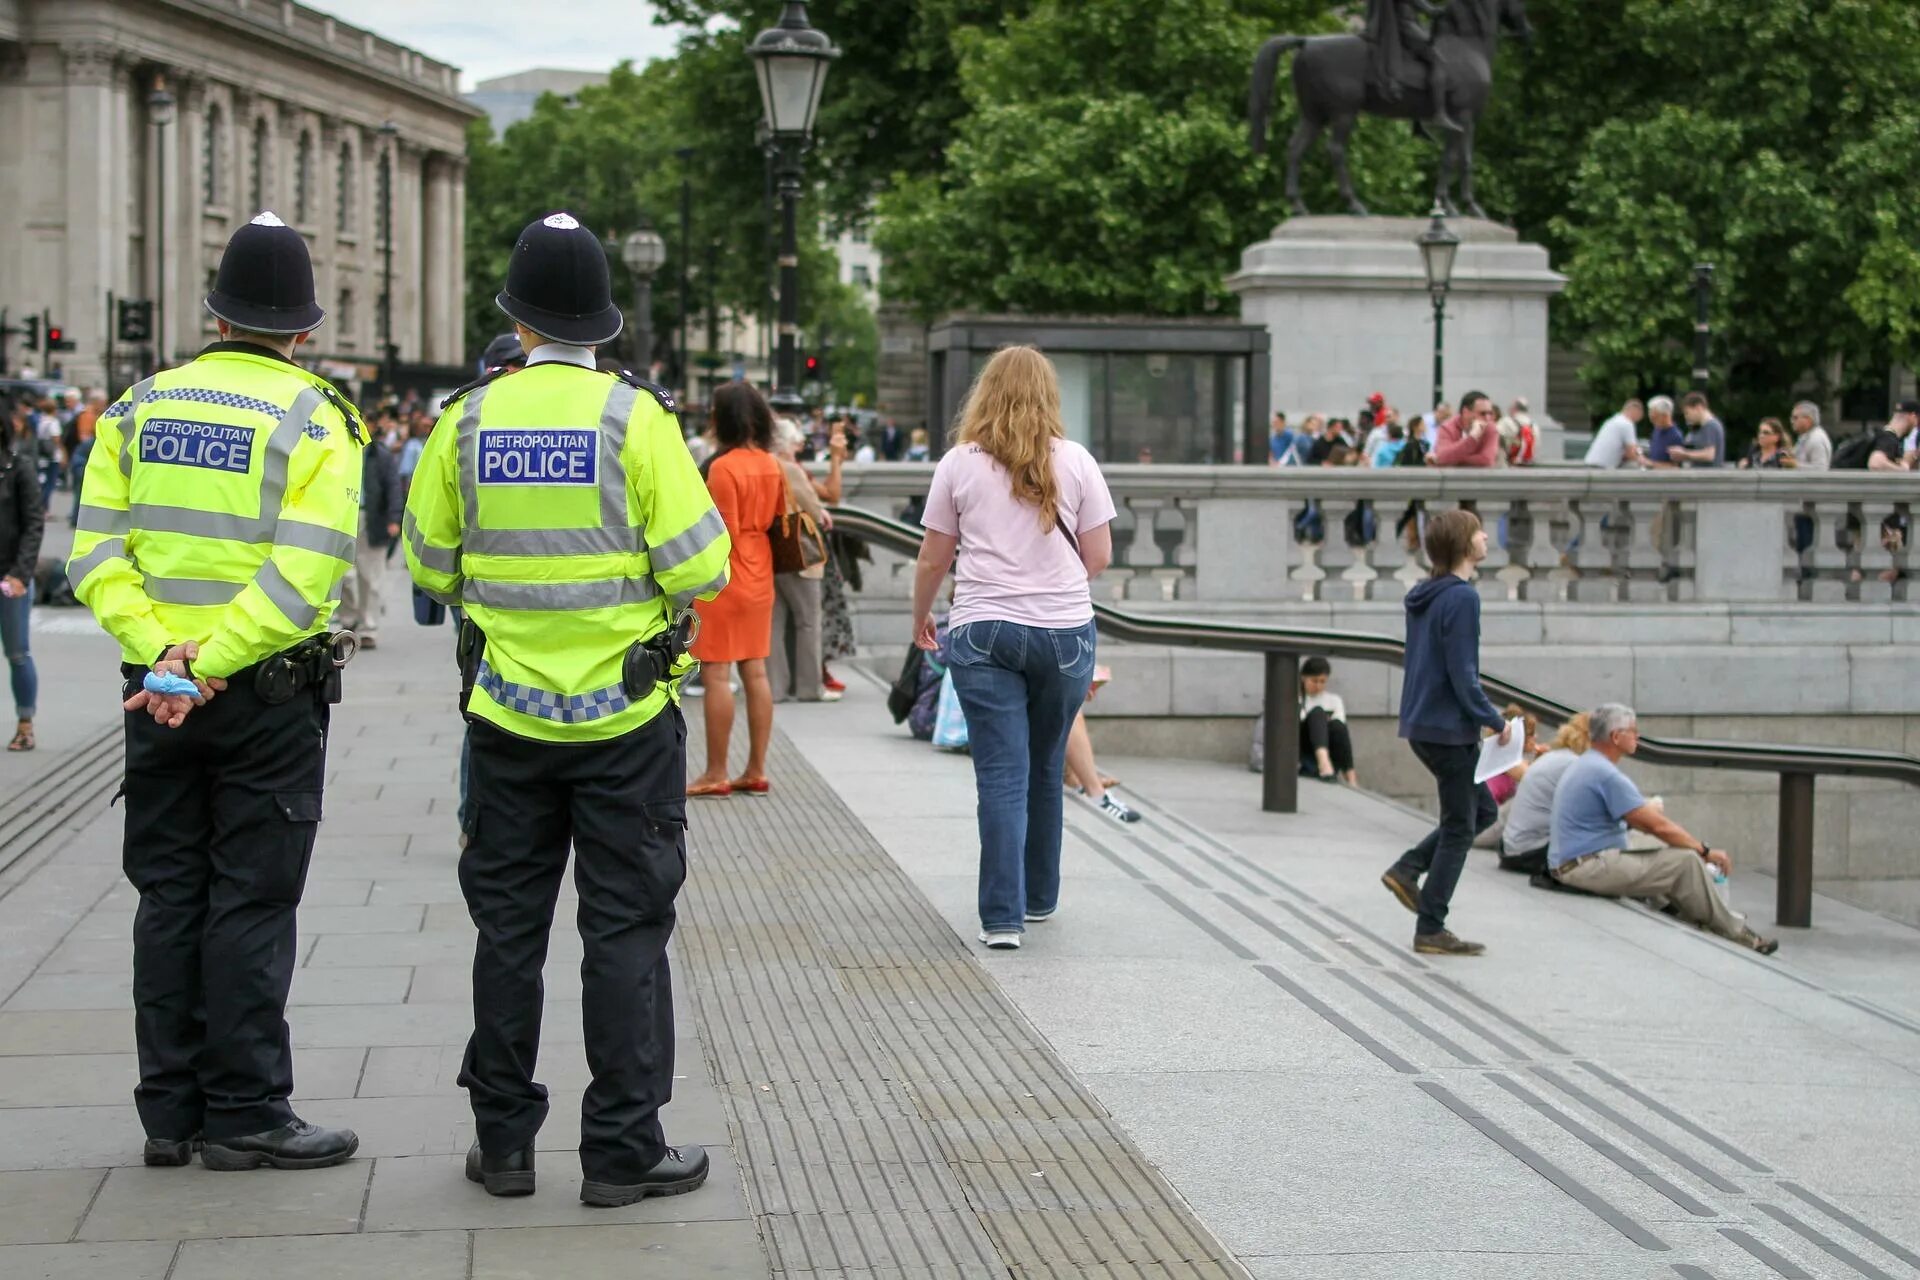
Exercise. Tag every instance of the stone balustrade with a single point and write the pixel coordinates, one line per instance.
(1244, 536)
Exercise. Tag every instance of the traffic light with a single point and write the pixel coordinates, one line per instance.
(813, 365)
(32, 341)
(135, 320)
(57, 339)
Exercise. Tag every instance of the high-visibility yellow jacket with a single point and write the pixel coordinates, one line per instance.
(560, 508)
(220, 505)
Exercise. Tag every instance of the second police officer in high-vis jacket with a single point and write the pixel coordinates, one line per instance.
(559, 508)
(217, 520)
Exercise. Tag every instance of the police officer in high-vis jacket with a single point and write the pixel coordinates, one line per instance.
(219, 514)
(559, 508)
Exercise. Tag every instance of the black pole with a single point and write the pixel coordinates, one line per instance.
(390, 356)
(1794, 886)
(1280, 772)
(159, 252)
(686, 256)
(1439, 347)
(643, 323)
(110, 328)
(713, 324)
(773, 264)
(1702, 329)
(786, 396)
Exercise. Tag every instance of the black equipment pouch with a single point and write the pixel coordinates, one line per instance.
(276, 680)
(471, 646)
(648, 662)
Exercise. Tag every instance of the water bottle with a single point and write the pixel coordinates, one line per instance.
(1718, 879)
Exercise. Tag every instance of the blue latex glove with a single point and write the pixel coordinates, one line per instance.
(169, 686)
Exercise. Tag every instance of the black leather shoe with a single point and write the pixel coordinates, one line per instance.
(166, 1153)
(508, 1175)
(679, 1171)
(295, 1145)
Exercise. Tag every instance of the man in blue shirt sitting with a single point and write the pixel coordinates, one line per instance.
(1594, 806)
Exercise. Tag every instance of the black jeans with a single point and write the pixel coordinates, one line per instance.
(621, 806)
(1321, 732)
(1466, 809)
(221, 818)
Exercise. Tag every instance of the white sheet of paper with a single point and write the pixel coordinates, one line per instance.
(1496, 759)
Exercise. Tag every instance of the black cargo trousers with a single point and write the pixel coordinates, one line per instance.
(620, 805)
(221, 818)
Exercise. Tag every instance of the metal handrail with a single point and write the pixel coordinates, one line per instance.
(1283, 647)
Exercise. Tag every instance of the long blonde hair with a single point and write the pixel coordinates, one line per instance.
(1013, 414)
(1573, 735)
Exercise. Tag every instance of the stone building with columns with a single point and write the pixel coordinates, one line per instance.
(107, 188)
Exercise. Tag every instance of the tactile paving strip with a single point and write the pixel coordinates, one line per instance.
(893, 1113)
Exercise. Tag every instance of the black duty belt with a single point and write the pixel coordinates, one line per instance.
(313, 664)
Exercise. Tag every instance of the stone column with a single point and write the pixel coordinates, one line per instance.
(437, 260)
(454, 316)
(92, 203)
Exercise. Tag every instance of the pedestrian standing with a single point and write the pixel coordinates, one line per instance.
(793, 668)
(218, 522)
(361, 602)
(1442, 710)
(22, 524)
(736, 628)
(1033, 512)
(1812, 449)
(1470, 440)
(558, 507)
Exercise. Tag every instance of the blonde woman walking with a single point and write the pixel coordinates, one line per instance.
(1032, 512)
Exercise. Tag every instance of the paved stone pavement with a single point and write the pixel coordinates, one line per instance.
(1606, 1094)
(1220, 1050)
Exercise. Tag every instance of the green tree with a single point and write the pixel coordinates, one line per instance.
(1769, 137)
(1103, 163)
(611, 156)
(893, 98)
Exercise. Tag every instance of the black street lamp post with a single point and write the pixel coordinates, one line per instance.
(643, 251)
(1438, 247)
(1702, 328)
(160, 111)
(390, 354)
(792, 61)
(681, 372)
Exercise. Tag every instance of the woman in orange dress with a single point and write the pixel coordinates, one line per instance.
(736, 626)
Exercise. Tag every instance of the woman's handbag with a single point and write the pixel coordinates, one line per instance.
(796, 540)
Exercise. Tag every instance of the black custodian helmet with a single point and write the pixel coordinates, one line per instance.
(265, 283)
(558, 284)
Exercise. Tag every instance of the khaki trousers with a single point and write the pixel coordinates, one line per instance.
(1678, 875)
(360, 589)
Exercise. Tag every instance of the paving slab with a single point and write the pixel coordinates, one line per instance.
(428, 1193)
(138, 1203)
(45, 1206)
(148, 1260)
(415, 1255)
(710, 1250)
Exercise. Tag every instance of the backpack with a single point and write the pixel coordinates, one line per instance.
(1852, 453)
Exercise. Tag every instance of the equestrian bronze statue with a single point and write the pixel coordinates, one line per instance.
(1438, 77)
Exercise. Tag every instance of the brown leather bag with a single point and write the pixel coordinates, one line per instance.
(795, 538)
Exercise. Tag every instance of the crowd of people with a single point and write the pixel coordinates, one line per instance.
(1380, 435)
(1894, 446)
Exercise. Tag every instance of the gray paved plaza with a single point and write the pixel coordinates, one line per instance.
(1219, 1060)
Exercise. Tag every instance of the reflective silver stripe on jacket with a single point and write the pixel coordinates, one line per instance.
(111, 549)
(156, 518)
(613, 440)
(466, 443)
(285, 596)
(561, 708)
(683, 599)
(104, 520)
(191, 591)
(682, 547)
(439, 559)
(316, 538)
(556, 542)
(602, 593)
(126, 405)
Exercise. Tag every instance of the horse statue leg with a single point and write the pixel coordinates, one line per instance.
(1341, 130)
(1303, 135)
(1443, 179)
(1466, 170)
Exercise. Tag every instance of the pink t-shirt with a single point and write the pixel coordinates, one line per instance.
(1010, 568)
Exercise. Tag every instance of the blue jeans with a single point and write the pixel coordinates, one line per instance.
(1466, 809)
(1020, 687)
(77, 472)
(14, 615)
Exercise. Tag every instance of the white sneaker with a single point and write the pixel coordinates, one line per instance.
(831, 695)
(1035, 917)
(1115, 809)
(1000, 939)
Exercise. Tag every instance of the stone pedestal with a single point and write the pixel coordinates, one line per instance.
(1346, 302)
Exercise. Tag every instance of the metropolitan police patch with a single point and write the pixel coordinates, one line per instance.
(543, 456)
(211, 445)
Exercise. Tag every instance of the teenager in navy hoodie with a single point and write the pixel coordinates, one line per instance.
(1442, 711)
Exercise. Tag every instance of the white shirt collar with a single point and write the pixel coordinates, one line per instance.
(561, 353)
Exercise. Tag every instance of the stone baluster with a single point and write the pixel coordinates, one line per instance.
(1173, 534)
(1517, 573)
(1497, 570)
(1335, 555)
(1885, 538)
(1126, 530)
(1594, 579)
(1803, 538)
